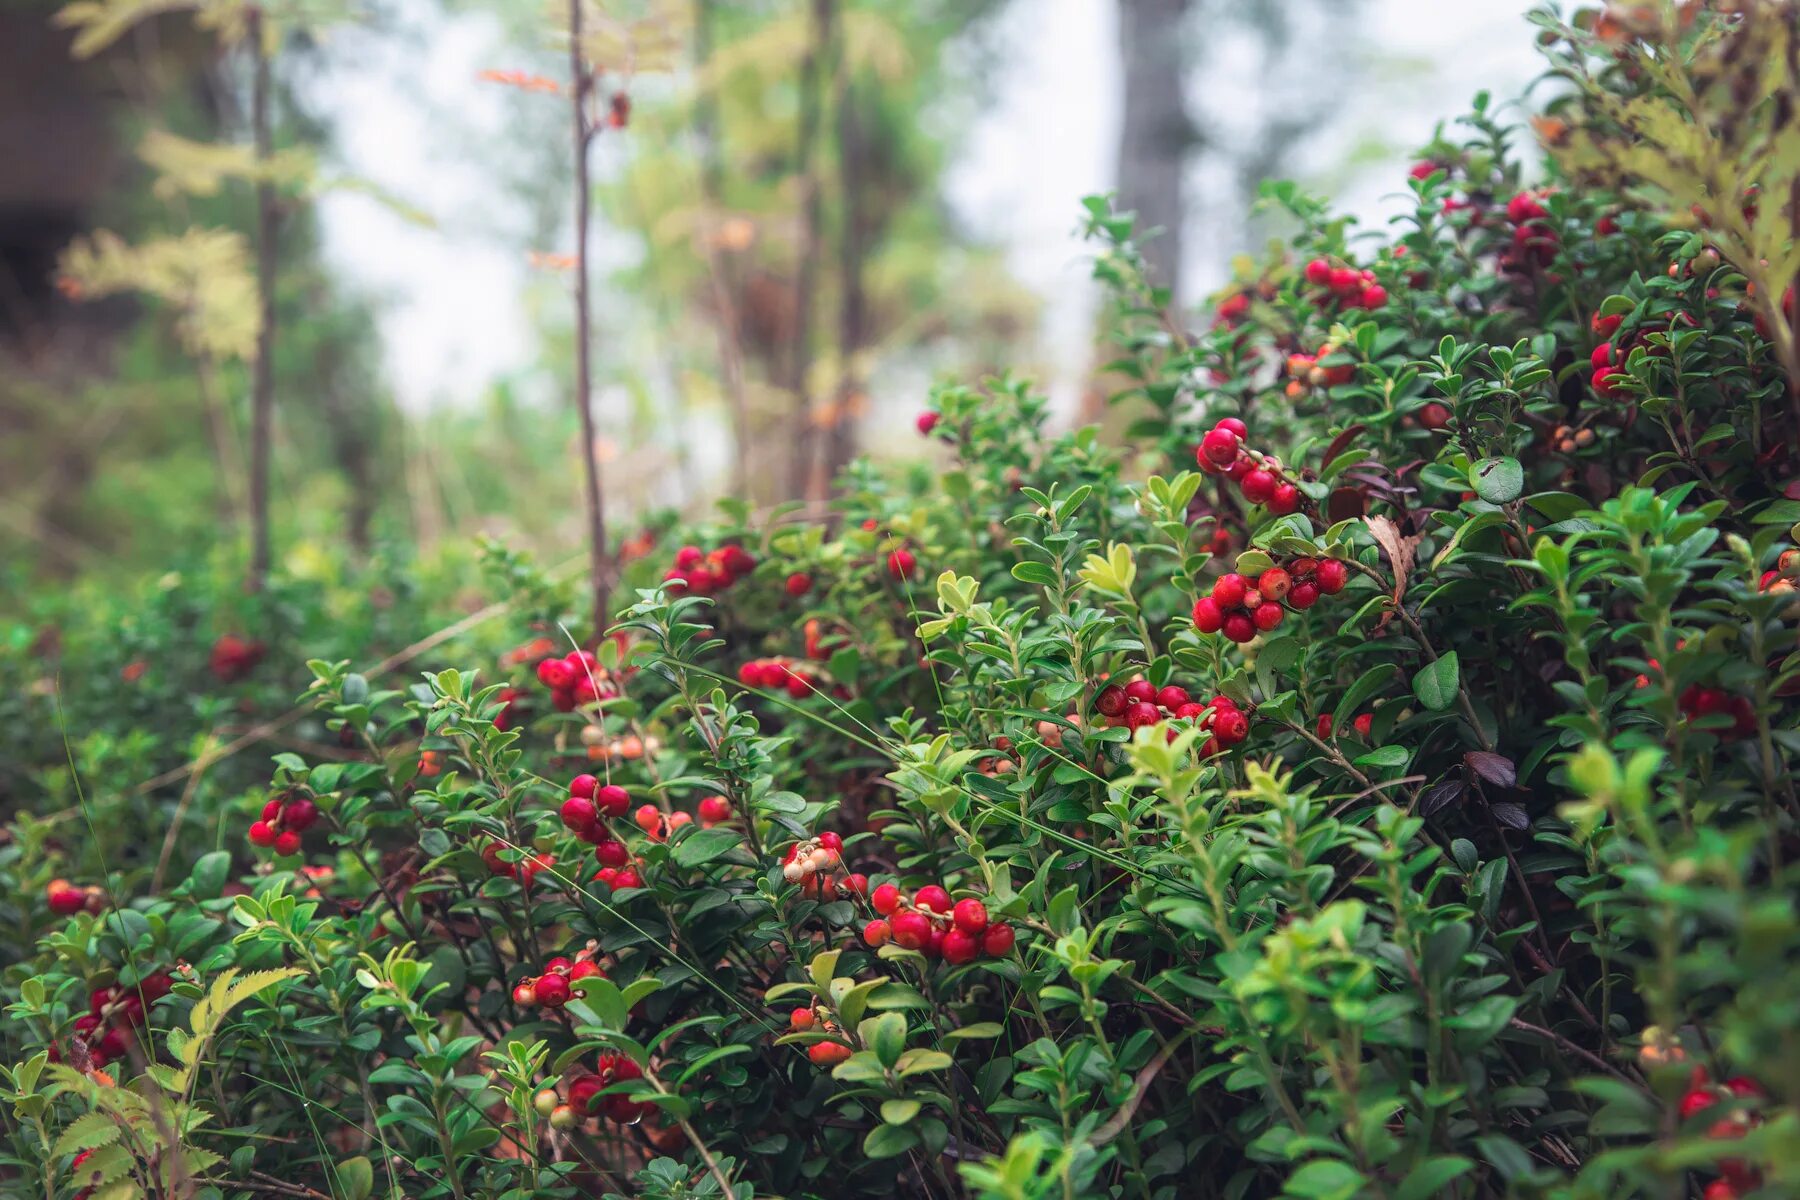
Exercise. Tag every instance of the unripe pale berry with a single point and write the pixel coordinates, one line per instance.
(544, 1102)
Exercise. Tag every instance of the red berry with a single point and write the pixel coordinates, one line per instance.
(1190, 711)
(926, 422)
(65, 899)
(1172, 697)
(1331, 576)
(1524, 207)
(885, 899)
(1346, 279)
(1696, 1101)
(1374, 296)
(1267, 616)
(911, 930)
(1258, 485)
(552, 991)
(1434, 416)
(262, 834)
(1303, 596)
(1318, 272)
(584, 786)
(1234, 425)
(689, 557)
(798, 584)
(525, 994)
(1220, 446)
(1140, 689)
(997, 940)
(627, 878)
(612, 800)
(271, 811)
(932, 898)
(1605, 327)
(1284, 499)
(611, 853)
(1111, 701)
(1322, 727)
(1239, 627)
(1228, 590)
(287, 843)
(578, 815)
(299, 815)
(559, 965)
(971, 915)
(1274, 584)
(831, 840)
(1142, 713)
(1607, 381)
(1604, 355)
(555, 674)
(1208, 616)
(799, 686)
(714, 809)
(1230, 727)
(900, 563)
(585, 970)
(1363, 723)
(856, 883)
(959, 947)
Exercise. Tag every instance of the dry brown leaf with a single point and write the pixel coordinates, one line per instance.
(1400, 551)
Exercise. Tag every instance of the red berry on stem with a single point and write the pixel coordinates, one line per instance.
(798, 584)
(262, 834)
(971, 915)
(287, 843)
(900, 563)
(1111, 701)
(525, 994)
(1208, 616)
(611, 853)
(926, 422)
(578, 815)
(885, 899)
(1142, 713)
(1228, 590)
(1267, 617)
(933, 898)
(997, 940)
(1284, 499)
(1172, 697)
(584, 786)
(1239, 628)
(1331, 576)
(1220, 446)
(612, 800)
(552, 991)
(1274, 584)
(959, 947)
(1303, 596)
(1258, 486)
(910, 930)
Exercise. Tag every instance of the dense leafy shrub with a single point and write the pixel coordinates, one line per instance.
(1407, 814)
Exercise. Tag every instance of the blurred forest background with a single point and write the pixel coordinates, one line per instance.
(804, 211)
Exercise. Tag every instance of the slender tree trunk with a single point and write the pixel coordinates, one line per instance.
(581, 84)
(712, 190)
(1157, 133)
(262, 395)
(840, 436)
(224, 446)
(806, 271)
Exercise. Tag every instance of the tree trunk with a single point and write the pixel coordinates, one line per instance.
(712, 190)
(1157, 133)
(581, 83)
(839, 436)
(806, 270)
(262, 395)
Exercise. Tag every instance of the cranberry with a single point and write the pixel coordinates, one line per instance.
(1363, 724)
(578, 815)
(1172, 697)
(611, 853)
(1230, 727)
(1239, 627)
(612, 800)
(1208, 616)
(1284, 499)
(1303, 596)
(1190, 711)
(900, 563)
(1322, 728)
(1274, 583)
(556, 674)
(926, 422)
(971, 915)
(559, 965)
(585, 970)
(932, 898)
(1374, 296)
(552, 991)
(885, 899)
(1220, 446)
(798, 584)
(877, 932)
(626, 879)
(856, 883)
(1434, 416)
(1142, 713)
(287, 843)
(827, 1054)
(911, 930)
(997, 940)
(584, 786)
(1331, 576)
(1233, 425)
(1258, 486)
(1111, 701)
(1318, 272)
(262, 834)
(959, 947)
(525, 994)
(1228, 590)
(714, 809)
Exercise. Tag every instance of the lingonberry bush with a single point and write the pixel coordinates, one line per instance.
(1375, 778)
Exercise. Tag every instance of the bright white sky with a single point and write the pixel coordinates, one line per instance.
(455, 301)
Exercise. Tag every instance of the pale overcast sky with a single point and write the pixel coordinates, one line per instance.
(454, 302)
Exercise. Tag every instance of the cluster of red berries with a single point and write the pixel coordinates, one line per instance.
(551, 989)
(66, 899)
(1703, 1095)
(114, 1013)
(700, 572)
(773, 674)
(657, 824)
(585, 1088)
(1534, 239)
(1344, 286)
(1363, 723)
(929, 923)
(1308, 371)
(585, 813)
(821, 1053)
(1221, 452)
(284, 819)
(1697, 701)
(815, 864)
(234, 657)
(1241, 608)
(576, 679)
